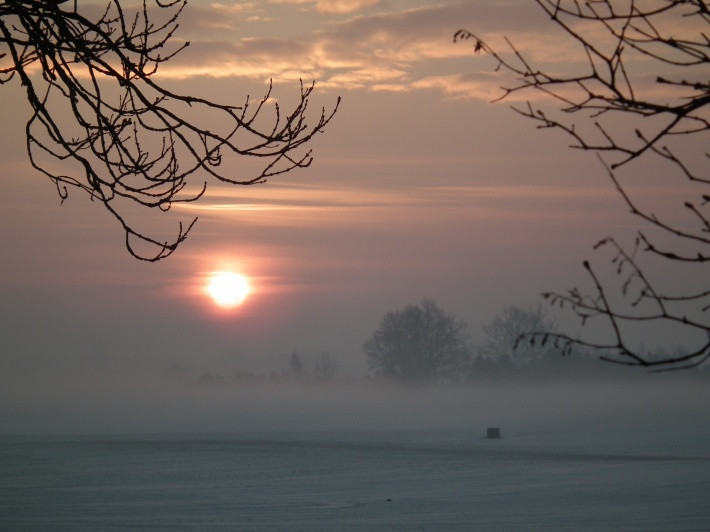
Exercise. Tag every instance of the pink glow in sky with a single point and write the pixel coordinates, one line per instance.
(420, 188)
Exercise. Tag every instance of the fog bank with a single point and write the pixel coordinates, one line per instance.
(122, 401)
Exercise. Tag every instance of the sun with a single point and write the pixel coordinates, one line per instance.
(227, 289)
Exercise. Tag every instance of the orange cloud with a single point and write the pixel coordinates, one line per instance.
(485, 86)
(301, 205)
(339, 7)
(386, 50)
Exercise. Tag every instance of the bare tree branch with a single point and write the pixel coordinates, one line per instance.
(95, 102)
(667, 120)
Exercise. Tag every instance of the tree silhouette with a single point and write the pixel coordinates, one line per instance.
(295, 366)
(97, 107)
(505, 329)
(642, 96)
(417, 344)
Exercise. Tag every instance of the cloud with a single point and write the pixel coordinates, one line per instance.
(376, 52)
(308, 206)
(246, 7)
(484, 86)
(246, 58)
(345, 6)
(339, 7)
(387, 49)
(469, 86)
(371, 77)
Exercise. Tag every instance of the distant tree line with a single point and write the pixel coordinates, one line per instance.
(300, 367)
(417, 344)
(422, 343)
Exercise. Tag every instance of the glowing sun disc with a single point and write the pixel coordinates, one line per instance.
(228, 289)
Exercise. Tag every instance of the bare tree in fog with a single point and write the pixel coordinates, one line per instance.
(643, 98)
(295, 366)
(504, 332)
(324, 367)
(128, 140)
(310, 367)
(419, 343)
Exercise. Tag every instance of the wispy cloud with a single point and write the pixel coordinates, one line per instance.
(481, 86)
(308, 206)
(369, 44)
(334, 6)
(384, 50)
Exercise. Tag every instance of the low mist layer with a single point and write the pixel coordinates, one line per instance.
(153, 400)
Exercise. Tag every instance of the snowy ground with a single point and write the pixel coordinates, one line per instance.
(642, 477)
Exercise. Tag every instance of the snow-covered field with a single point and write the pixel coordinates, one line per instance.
(618, 477)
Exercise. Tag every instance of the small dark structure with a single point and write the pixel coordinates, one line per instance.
(492, 433)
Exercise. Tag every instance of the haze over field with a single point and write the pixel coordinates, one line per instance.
(420, 188)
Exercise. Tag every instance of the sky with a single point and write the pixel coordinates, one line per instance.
(420, 188)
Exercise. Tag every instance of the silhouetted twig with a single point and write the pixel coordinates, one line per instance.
(95, 101)
(669, 115)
